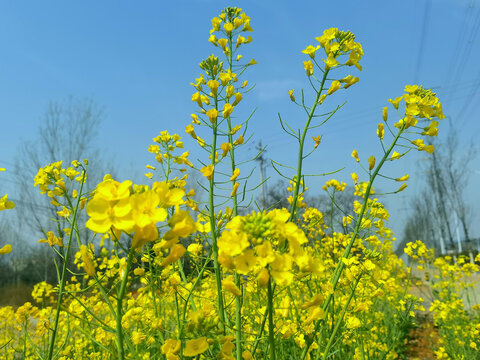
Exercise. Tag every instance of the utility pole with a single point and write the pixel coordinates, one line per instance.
(261, 159)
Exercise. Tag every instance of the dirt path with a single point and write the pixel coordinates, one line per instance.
(421, 341)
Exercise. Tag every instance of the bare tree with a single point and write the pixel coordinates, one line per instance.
(434, 212)
(438, 185)
(457, 171)
(67, 132)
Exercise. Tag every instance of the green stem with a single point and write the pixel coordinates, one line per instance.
(25, 338)
(104, 293)
(271, 328)
(190, 293)
(339, 321)
(179, 323)
(185, 281)
(119, 315)
(152, 283)
(216, 265)
(238, 321)
(64, 271)
(260, 333)
(340, 265)
(300, 148)
(238, 299)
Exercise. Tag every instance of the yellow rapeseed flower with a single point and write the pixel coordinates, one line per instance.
(290, 93)
(87, 260)
(228, 28)
(207, 171)
(195, 347)
(335, 85)
(234, 190)
(235, 174)
(226, 147)
(308, 67)
(171, 347)
(355, 155)
(6, 249)
(212, 115)
(227, 110)
(213, 85)
(239, 141)
(381, 130)
(5, 204)
(403, 178)
(310, 50)
(385, 114)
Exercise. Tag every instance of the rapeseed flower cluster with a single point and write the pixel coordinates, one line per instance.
(121, 207)
(265, 244)
(336, 44)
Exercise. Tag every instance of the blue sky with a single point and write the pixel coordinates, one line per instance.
(136, 60)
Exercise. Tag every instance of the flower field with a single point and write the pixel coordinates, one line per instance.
(163, 276)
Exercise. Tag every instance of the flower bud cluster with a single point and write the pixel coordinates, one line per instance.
(218, 92)
(231, 22)
(335, 184)
(336, 44)
(165, 145)
(53, 179)
(420, 105)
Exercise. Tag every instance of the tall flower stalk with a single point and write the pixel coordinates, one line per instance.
(221, 81)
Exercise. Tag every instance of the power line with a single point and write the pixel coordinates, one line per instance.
(455, 68)
(468, 45)
(423, 35)
(468, 101)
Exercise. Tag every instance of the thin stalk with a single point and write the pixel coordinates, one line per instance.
(179, 323)
(300, 148)
(216, 265)
(339, 321)
(119, 315)
(259, 335)
(25, 338)
(238, 299)
(230, 137)
(238, 321)
(152, 283)
(184, 279)
(190, 293)
(106, 327)
(332, 308)
(271, 328)
(104, 293)
(64, 271)
(340, 266)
